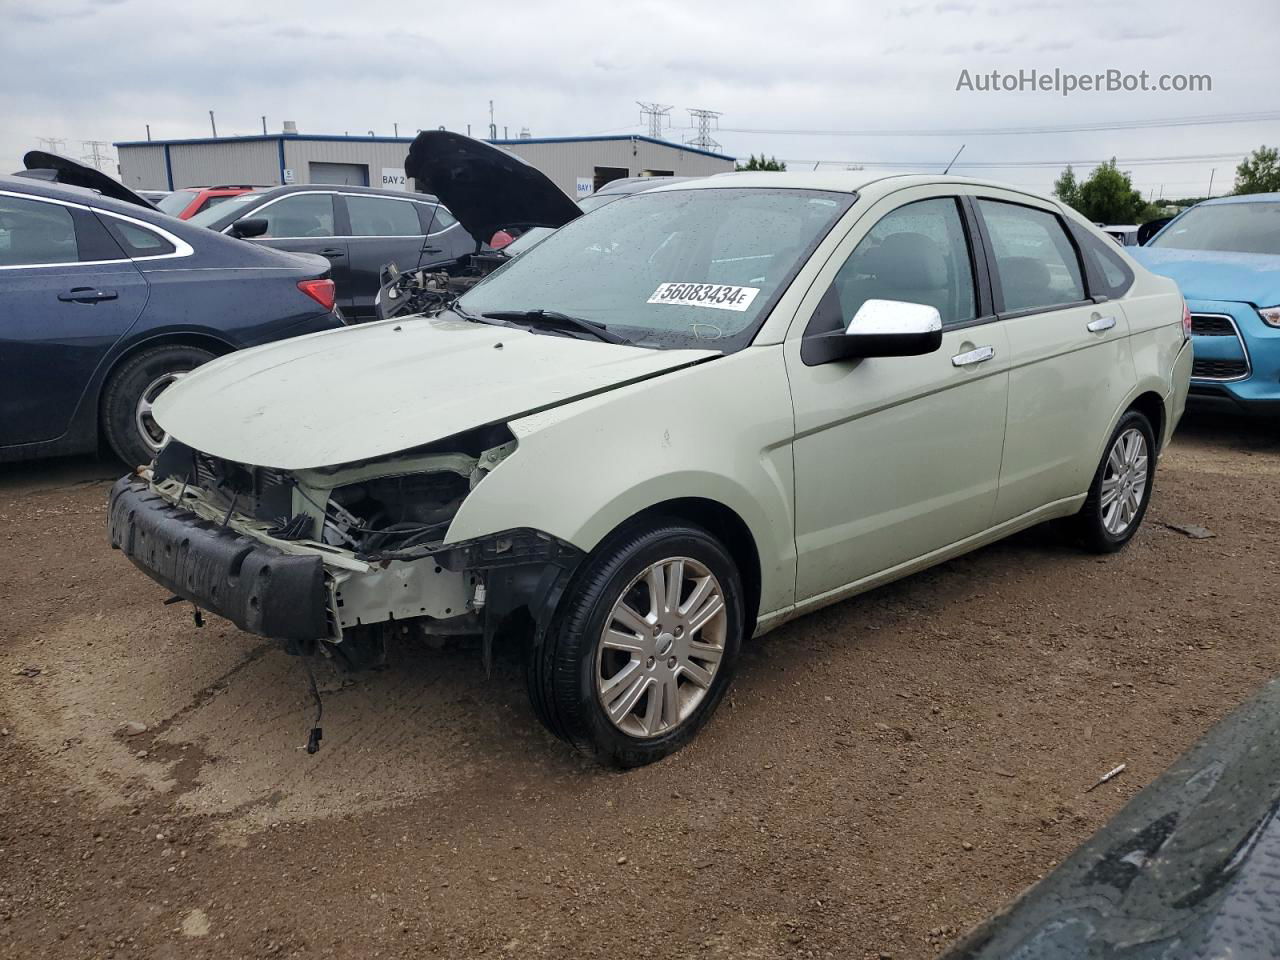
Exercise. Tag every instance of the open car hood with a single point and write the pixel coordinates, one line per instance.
(382, 388)
(49, 166)
(485, 187)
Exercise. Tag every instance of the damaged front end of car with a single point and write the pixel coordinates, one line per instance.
(337, 560)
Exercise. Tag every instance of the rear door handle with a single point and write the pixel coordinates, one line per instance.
(333, 253)
(1099, 324)
(433, 249)
(976, 355)
(86, 295)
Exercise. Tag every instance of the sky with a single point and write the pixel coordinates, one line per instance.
(869, 84)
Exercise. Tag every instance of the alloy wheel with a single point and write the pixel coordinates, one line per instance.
(661, 647)
(153, 435)
(1124, 482)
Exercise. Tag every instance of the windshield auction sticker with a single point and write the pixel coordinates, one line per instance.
(719, 296)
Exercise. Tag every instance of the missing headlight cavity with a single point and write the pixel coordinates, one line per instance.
(395, 513)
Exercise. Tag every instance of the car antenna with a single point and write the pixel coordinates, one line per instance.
(953, 160)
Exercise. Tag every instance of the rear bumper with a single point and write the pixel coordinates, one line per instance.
(257, 587)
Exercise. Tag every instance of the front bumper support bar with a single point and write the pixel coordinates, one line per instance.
(257, 587)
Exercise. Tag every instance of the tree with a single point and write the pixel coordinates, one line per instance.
(760, 163)
(1066, 189)
(1259, 172)
(1106, 197)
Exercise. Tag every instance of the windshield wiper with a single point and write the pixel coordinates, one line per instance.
(552, 318)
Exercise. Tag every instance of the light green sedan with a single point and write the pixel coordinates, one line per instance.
(673, 425)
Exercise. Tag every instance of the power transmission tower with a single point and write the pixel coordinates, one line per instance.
(95, 154)
(705, 120)
(51, 144)
(654, 114)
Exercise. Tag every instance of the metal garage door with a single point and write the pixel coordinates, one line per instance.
(347, 174)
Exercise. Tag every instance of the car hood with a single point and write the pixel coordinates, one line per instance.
(485, 187)
(49, 166)
(376, 390)
(1216, 275)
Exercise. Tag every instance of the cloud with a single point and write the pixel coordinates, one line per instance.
(117, 65)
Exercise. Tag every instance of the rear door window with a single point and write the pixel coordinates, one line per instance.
(1036, 265)
(298, 216)
(34, 233)
(382, 217)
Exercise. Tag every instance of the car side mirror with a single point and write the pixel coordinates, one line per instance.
(880, 328)
(249, 227)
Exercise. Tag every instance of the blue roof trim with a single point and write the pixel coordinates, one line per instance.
(621, 136)
(259, 138)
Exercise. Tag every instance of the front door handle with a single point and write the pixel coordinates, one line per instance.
(86, 295)
(976, 355)
(433, 249)
(333, 253)
(1099, 324)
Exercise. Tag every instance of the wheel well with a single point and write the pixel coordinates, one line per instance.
(731, 530)
(202, 341)
(1151, 406)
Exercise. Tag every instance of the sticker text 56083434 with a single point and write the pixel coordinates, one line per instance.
(719, 296)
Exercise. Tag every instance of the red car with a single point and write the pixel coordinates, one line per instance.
(188, 201)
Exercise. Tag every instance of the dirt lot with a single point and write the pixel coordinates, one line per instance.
(885, 774)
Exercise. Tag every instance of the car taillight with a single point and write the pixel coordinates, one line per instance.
(321, 291)
(1186, 321)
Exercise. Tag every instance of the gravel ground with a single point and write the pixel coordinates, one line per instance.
(884, 774)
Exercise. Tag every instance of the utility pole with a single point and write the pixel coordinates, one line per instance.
(213, 125)
(95, 154)
(396, 128)
(654, 114)
(264, 124)
(1212, 171)
(148, 131)
(705, 120)
(51, 143)
(493, 127)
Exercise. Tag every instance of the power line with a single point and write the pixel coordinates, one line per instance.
(996, 164)
(1196, 121)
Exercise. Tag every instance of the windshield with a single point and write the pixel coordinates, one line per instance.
(218, 215)
(686, 268)
(175, 202)
(1245, 227)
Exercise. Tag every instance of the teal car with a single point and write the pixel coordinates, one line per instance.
(1225, 256)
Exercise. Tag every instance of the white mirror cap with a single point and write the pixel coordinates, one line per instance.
(894, 317)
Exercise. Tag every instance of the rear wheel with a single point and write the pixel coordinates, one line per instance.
(1121, 487)
(127, 420)
(643, 648)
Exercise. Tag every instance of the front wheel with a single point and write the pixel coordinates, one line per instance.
(642, 649)
(1121, 487)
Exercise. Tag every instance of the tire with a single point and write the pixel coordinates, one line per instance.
(1101, 525)
(142, 376)
(684, 666)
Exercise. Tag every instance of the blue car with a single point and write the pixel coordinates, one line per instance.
(104, 302)
(1225, 256)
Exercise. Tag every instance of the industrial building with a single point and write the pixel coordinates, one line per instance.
(578, 165)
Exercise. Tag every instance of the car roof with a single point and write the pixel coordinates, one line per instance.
(637, 184)
(836, 181)
(81, 195)
(342, 188)
(1242, 198)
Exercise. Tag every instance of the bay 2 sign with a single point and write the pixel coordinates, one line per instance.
(393, 178)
